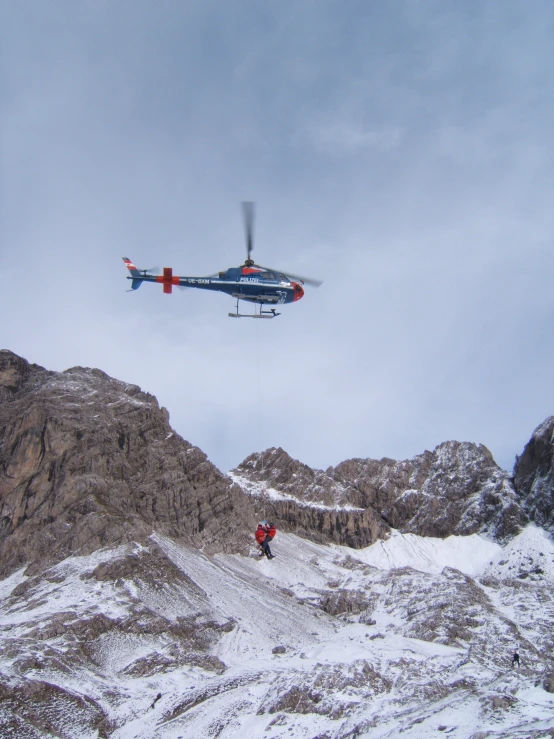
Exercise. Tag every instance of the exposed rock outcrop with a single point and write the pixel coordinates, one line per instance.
(350, 527)
(308, 502)
(277, 469)
(38, 709)
(456, 489)
(88, 461)
(534, 476)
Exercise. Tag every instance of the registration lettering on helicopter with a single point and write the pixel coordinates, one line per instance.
(197, 281)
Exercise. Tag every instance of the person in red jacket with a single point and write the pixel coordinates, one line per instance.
(261, 539)
(270, 530)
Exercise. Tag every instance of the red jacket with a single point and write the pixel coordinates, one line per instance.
(271, 530)
(260, 534)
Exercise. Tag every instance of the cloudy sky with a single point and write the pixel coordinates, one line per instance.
(402, 152)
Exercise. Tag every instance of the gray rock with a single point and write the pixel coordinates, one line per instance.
(316, 506)
(88, 461)
(456, 489)
(534, 476)
(345, 602)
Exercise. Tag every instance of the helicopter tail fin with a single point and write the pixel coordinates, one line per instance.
(136, 278)
(132, 269)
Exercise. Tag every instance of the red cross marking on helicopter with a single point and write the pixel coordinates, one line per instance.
(168, 280)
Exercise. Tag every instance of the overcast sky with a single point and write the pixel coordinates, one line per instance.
(403, 152)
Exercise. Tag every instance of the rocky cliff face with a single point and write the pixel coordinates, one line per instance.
(456, 489)
(534, 476)
(88, 461)
(308, 502)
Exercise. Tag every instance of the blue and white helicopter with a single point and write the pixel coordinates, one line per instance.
(263, 286)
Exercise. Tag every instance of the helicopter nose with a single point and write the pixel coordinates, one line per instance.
(298, 291)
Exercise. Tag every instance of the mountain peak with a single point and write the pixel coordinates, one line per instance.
(15, 372)
(88, 461)
(534, 475)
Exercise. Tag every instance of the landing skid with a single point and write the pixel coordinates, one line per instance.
(262, 314)
(271, 313)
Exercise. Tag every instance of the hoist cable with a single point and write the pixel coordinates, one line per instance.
(260, 424)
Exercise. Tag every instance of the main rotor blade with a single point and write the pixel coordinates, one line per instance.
(248, 214)
(306, 280)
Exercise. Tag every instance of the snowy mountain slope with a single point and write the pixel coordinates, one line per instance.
(429, 554)
(264, 616)
(323, 641)
(132, 608)
(520, 582)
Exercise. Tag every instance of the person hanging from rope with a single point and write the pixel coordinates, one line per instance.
(270, 530)
(261, 539)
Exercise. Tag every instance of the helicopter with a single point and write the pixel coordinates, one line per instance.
(263, 286)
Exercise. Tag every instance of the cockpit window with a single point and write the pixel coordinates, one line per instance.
(267, 276)
(283, 278)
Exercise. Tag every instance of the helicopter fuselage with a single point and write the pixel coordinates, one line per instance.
(252, 284)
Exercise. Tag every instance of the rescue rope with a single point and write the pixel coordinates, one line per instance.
(260, 420)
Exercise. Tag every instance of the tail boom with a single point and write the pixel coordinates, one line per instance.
(167, 279)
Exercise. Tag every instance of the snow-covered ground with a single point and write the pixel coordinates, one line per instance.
(409, 635)
(469, 554)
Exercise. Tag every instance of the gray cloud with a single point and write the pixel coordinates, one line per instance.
(402, 153)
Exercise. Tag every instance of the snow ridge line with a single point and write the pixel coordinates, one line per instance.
(259, 490)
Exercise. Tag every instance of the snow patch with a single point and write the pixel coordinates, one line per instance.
(261, 489)
(469, 554)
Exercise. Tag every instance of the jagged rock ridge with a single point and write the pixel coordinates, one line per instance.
(308, 502)
(456, 489)
(88, 461)
(534, 476)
